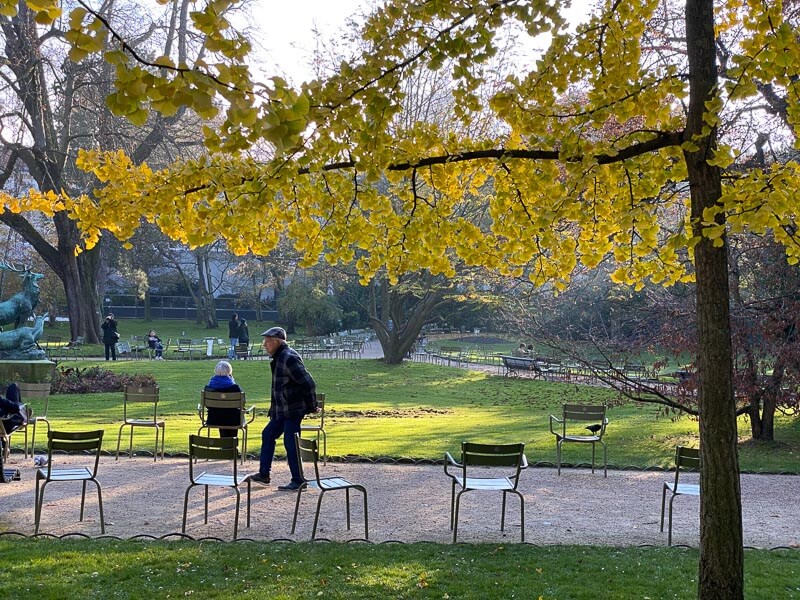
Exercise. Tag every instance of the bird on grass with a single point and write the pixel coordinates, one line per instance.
(594, 428)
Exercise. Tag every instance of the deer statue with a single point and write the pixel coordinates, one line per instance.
(21, 342)
(20, 306)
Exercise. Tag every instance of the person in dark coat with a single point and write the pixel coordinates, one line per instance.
(154, 343)
(222, 381)
(233, 334)
(294, 395)
(244, 334)
(110, 336)
(12, 415)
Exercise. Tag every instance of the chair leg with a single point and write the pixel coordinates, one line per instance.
(366, 517)
(558, 456)
(455, 522)
(248, 503)
(186, 507)
(155, 450)
(669, 527)
(593, 445)
(38, 507)
(663, 504)
(452, 502)
(521, 516)
(605, 459)
(236, 513)
(296, 509)
(100, 505)
(316, 516)
(130, 444)
(119, 439)
(347, 503)
(83, 498)
(503, 513)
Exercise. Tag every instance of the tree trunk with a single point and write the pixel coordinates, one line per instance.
(721, 551)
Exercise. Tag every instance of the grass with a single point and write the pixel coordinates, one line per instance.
(41, 568)
(419, 411)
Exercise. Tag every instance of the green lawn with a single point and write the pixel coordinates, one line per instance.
(45, 568)
(419, 411)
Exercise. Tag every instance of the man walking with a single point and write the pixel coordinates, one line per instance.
(293, 397)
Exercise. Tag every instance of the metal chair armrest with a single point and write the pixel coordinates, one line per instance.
(449, 461)
(557, 420)
(524, 464)
(251, 411)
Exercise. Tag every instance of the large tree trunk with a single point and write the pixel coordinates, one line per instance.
(721, 550)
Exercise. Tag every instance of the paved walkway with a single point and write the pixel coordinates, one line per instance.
(407, 503)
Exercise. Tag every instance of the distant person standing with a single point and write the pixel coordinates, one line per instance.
(233, 334)
(293, 396)
(244, 333)
(110, 336)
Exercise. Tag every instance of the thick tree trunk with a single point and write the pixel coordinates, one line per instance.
(721, 550)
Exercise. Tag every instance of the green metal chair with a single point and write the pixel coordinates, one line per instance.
(140, 409)
(505, 461)
(72, 443)
(308, 453)
(221, 450)
(35, 391)
(216, 401)
(571, 425)
(686, 459)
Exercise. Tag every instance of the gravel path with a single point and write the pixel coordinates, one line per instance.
(407, 503)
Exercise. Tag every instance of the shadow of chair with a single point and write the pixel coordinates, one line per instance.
(308, 454)
(686, 459)
(211, 402)
(315, 423)
(486, 468)
(140, 409)
(571, 425)
(70, 442)
(35, 391)
(220, 450)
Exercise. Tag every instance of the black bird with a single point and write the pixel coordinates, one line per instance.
(594, 428)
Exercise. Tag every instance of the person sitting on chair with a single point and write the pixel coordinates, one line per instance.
(12, 412)
(155, 343)
(223, 381)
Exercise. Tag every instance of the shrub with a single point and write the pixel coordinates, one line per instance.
(71, 380)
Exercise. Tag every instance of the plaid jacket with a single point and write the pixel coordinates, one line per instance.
(294, 393)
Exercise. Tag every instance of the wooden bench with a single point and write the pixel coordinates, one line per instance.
(516, 365)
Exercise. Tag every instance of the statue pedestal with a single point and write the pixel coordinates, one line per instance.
(29, 371)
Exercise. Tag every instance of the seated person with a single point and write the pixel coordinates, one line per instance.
(12, 413)
(521, 351)
(154, 342)
(222, 381)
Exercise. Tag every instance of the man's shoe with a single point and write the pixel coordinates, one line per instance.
(291, 486)
(261, 478)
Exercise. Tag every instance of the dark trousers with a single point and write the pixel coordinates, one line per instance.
(111, 349)
(276, 428)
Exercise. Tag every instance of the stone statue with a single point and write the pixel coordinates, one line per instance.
(20, 306)
(20, 343)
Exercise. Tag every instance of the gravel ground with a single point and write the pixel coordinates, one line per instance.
(407, 503)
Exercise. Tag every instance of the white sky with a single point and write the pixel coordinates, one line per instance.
(284, 31)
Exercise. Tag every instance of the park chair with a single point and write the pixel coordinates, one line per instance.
(242, 351)
(35, 391)
(226, 400)
(7, 474)
(572, 424)
(184, 347)
(317, 425)
(72, 348)
(486, 467)
(140, 409)
(221, 450)
(125, 350)
(81, 442)
(308, 454)
(685, 459)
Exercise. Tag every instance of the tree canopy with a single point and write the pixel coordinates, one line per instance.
(611, 146)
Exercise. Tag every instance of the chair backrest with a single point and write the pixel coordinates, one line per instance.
(33, 391)
(308, 453)
(475, 454)
(123, 347)
(208, 448)
(213, 399)
(133, 395)
(74, 442)
(184, 343)
(318, 415)
(583, 413)
(686, 459)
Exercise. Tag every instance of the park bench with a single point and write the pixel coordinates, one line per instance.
(517, 365)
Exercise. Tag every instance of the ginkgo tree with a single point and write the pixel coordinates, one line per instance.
(559, 192)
